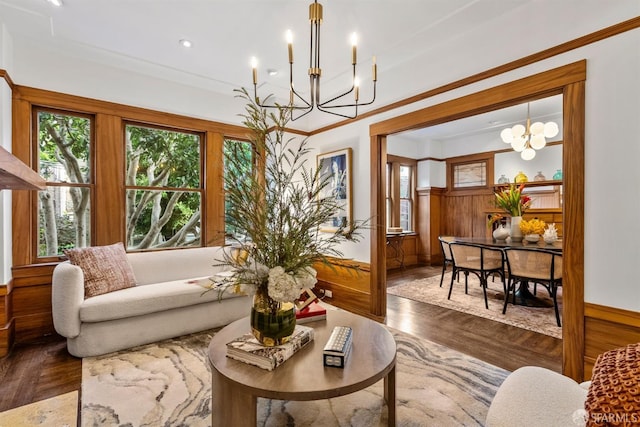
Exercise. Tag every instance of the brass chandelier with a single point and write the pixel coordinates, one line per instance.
(336, 105)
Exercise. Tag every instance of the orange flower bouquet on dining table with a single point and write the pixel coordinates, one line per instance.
(512, 200)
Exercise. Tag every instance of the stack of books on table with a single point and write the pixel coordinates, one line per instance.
(247, 349)
(312, 312)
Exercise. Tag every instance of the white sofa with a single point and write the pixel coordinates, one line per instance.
(537, 397)
(166, 302)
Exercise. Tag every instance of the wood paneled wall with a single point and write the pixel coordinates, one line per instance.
(349, 282)
(607, 328)
(7, 327)
(429, 224)
(464, 214)
(31, 302)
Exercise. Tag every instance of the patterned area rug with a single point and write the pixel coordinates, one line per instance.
(537, 319)
(58, 411)
(168, 384)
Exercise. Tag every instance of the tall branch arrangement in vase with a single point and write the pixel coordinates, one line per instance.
(276, 207)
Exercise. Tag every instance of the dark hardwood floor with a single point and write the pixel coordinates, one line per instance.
(37, 371)
(497, 343)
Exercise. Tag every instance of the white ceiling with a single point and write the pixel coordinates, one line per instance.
(227, 33)
(543, 110)
(143, 35)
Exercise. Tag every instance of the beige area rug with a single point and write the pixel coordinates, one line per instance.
(58, 411)
(169, 384)
(537, 319)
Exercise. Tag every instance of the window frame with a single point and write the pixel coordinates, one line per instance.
(394, 162)
(254, 168)
(452, 162)
(410, 199)
(199, 189)
(91, 185)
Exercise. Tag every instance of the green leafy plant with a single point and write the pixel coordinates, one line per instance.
(276, 209)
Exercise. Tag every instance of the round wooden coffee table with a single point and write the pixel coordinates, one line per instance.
(237, 385)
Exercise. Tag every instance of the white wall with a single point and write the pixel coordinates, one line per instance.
(431, 173)
(338, 139)
(612, 115)
(399, 146)
(548, 161)
(83, 77)
(5, 142)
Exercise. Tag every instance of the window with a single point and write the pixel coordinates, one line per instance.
(244, 152)
(470, 175)
(400, 188)
(163, 188)
(406, 197)
(389, 196)
(64, 144)
(471, 172)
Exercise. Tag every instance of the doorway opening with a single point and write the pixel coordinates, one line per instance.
(567, 81)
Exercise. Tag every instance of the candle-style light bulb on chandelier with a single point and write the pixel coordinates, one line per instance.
(526, 140)
(336, 105)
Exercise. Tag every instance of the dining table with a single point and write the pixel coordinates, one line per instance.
(523, 294)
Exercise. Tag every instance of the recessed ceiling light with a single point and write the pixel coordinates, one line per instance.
(185, 43)
(272, 72)
(56, 3)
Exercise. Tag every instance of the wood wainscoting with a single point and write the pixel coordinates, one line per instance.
(7, 327)
(464, 212)
(25, 306)
(607, 328)
(350, 284)
(429, 223)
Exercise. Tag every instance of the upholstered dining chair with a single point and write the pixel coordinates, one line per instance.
(447, 259)
(480, 260)
(534, 265)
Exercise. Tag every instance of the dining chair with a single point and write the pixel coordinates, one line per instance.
(534, 265)
(447, 259)
(480, 260)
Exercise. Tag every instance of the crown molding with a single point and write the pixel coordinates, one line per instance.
(565, 47)
(5, 75)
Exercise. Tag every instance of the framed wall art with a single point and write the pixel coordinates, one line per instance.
(336, 167)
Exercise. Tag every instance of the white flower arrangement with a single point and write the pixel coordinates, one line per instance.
(283, 286)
